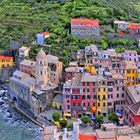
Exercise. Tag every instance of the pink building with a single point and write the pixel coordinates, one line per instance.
(72, 97)
(28, 66)
(131, 55)
(89, 96)
(71, 71)
(119, 92)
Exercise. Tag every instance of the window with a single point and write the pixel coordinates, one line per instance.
(117, 95)
(104, 89)
(67, 101)
(109, 104)
(122, 88)
(128, 71)
(68, 106)
(104, 104)
(87, 83)
(88, 90)
(99, 89)
(122, 95)
(88, 104)
(94, 103)
(88, 96)
(98, 96)
(93, 84)
(83, 83)
(93, 90)
(84, 104)
(104, 98)
(117, 88)
(94, 96)
(79, 104)
(110, 89)
(98, 104)
(73, 104)
(83, 90)
(83, 97)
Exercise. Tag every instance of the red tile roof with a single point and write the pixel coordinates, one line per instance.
(45, 33)
(134, 26)
(86, 22)
(5, 58)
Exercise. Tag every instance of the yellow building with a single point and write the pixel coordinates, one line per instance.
(102, 97)
(91, 68)
(58, 101)
(131, 73)
(6, 61)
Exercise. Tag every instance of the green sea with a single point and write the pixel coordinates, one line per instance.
(9, 131)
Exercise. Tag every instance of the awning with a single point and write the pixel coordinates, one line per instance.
(94, 109)
(67, 114)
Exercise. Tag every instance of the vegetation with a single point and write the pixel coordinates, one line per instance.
(114, 118)
(22, 19)
(70, 126)
(99, 119)
(63, 122)
(86, 119)
(56, 116)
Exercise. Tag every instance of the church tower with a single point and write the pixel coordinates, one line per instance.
(41, 68)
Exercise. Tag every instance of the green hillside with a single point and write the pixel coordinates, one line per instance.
(27, 17)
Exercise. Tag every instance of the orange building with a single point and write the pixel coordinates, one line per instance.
(6, 61)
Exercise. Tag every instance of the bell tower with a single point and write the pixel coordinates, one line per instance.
(41, 68)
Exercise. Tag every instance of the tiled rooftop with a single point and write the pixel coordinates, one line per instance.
(28, 63)
(134, 92)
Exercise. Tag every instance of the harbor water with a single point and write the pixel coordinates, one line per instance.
(13, 126)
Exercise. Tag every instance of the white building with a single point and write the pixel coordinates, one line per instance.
(122, 25)
(24, 51)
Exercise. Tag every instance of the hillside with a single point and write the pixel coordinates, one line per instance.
(28, 17)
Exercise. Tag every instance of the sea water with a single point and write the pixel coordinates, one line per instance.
(15, 127)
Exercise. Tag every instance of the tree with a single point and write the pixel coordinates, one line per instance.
(113, 117)
(63, 122)
(99, 119)
(86, 119)
(70, 126)
(56, 116)
(104, 45)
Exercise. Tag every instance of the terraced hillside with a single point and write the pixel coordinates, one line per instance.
(27, 17)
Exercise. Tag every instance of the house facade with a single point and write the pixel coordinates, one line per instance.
(6, 61)
(41, 37)
(85, 27)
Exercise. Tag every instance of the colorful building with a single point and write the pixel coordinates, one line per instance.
(130, 73)
(41, 37)
(85, 27)
(6, 61)
(28, 66)
(132, 107)
(102, 96)
(58, 101)
(121, 25)
(134, 29)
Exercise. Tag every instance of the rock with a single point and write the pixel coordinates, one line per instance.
(1, 103)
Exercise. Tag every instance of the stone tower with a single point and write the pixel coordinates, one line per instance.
(41, 68)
